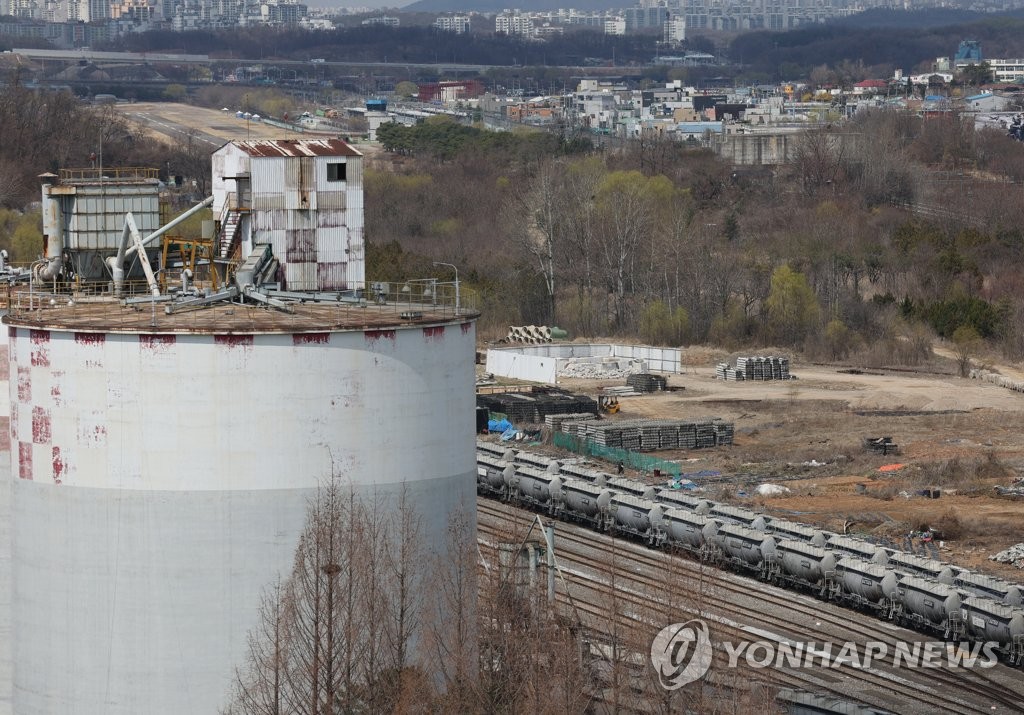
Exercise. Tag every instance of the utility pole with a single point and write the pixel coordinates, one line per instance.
(454, 268)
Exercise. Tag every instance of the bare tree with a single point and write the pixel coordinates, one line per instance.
(818, 158)
(538, 209)
(628, 206)
(342, 634)
(268, 643)
(450, 631)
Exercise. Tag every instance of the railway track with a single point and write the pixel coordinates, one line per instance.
(901, 689)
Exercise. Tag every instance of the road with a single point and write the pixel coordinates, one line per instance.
(438, 68)
(173, 122)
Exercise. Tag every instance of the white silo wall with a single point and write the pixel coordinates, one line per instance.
(5, 531)
(160, 482)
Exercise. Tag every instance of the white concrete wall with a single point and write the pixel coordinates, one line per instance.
(531, 362)
(658, 359)
(535, 368)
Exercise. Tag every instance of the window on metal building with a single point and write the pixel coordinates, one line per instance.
(336, 172)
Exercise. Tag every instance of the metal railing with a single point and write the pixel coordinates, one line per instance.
(120, 173)
(422, 299)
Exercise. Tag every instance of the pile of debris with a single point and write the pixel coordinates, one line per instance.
(534, 407)
(755, 368)
(652, 435)
(602, 368)
(647, 382)
(881, 445)
(1015, 490)
(1013, 555)
(996, 379)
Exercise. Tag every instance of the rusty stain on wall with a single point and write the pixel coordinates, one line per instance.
(372, 336)
(40, 425)
(25, 460)
(58, 466)
(157, 343)
(24, 384)
(40, 347)
(234, 341)
(311, 338)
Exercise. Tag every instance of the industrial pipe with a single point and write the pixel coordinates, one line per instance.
(49, 269)
(116, 263)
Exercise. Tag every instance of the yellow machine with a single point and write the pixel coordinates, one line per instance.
(609, 404)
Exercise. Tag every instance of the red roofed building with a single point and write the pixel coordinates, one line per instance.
(871, 86)
(450, 91)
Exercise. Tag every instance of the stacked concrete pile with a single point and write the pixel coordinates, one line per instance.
(996, 379)
(756, 368)
(555, 421)
(602, 368)
(647, 382)
(533, 408)
(652, 435)
(1013, 555)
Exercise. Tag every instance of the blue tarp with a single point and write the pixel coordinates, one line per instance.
(498, 425)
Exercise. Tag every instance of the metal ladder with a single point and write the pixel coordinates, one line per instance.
(955, 627)
(230, 230)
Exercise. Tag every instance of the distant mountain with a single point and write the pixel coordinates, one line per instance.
(499, 5)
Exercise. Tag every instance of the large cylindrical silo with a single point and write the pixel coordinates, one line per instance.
(5, 531)
(162, 467)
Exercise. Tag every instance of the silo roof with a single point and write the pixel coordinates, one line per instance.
(263, 148)
(113, 316)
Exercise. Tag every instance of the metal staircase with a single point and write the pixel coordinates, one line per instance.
(230, 231)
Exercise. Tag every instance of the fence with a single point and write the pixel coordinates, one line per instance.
(634, 460)
(38, 302)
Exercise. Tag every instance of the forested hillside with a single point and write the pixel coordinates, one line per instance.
(669, 245)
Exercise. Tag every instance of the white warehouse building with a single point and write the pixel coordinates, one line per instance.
(304, 198)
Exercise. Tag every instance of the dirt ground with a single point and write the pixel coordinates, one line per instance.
(962, 436)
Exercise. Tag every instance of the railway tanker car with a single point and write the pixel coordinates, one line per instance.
(864, 584)
(693, 532)
(803, 564)
(586, 502)
(977, 584)
(848, 546)
(747, 548)
(536, 486)
(989, 620)
(913, 565)
(930, 605)
(637, 516)
(783, 529)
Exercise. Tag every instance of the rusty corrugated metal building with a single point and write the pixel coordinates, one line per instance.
(302, 196)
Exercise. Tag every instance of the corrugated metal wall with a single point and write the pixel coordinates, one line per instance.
(95, 214)
(314, 225)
